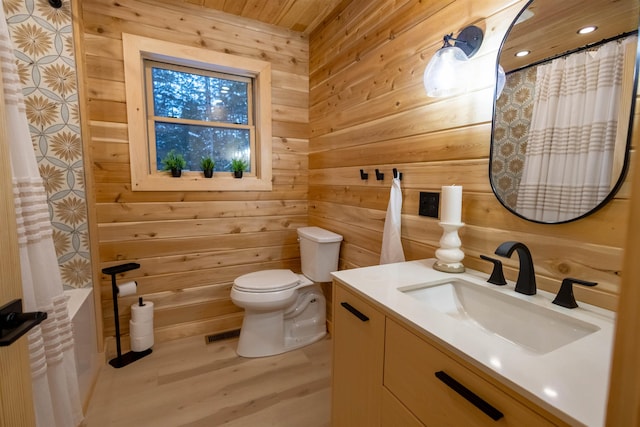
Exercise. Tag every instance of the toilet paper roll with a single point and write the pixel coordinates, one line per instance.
(141, 343)
(127, 288)
(142, 313)
(139, 329)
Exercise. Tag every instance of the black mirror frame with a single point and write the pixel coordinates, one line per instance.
(625, 166)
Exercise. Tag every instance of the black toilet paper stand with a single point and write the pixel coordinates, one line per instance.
(122, 359)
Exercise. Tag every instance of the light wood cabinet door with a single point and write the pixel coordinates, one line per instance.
(395, 414)
(442, 392)
(358, 347)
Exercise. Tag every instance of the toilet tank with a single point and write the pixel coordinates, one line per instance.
(319, 252)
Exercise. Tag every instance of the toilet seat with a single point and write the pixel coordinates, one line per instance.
(267, 281)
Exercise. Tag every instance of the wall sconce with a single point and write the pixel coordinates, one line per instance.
(444, 74)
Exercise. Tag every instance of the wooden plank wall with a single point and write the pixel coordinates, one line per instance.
(369, 110)
(191, 245)
(355, 88)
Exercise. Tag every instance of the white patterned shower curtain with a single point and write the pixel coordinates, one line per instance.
(51, 347)
(569, 156)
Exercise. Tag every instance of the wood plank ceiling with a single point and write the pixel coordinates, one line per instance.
(549, 31)
(297, 15)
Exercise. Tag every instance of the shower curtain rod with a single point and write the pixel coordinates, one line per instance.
(569, 52)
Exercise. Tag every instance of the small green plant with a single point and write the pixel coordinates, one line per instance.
(207, 163)
(238, 165)
(174, 161)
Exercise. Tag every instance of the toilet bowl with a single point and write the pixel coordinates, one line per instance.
(284, 310)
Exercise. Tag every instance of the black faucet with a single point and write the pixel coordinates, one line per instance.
(526, 283)
(565, 296)
(497, 276)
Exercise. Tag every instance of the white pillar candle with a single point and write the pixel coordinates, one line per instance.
(451, 204)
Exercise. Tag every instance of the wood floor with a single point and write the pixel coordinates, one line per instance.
(190, 383)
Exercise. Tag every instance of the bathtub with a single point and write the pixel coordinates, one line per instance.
(82, 315)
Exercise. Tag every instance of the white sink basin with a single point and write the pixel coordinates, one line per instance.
(523, 323)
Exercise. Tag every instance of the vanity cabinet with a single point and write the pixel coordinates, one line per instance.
(388, 374)
(395, 414)
(432, 385)
(358, 350)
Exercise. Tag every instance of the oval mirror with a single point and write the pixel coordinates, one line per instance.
(562, 122)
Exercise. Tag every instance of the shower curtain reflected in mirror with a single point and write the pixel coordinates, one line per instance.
(569, 152)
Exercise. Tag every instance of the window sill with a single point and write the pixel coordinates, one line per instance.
(195, 181)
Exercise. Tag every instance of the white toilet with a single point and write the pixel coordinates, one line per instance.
(284, 310)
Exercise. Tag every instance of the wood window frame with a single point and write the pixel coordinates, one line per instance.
(135, 50)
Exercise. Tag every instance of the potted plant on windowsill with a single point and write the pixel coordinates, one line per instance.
(207, 164)
(174, 162)
(238, 166)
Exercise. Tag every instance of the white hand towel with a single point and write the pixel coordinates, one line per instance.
(391, 239)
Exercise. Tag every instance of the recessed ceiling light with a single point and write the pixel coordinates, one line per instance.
(587, 30)
(523, 53)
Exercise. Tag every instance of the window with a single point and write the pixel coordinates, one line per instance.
(197, 103)
(199, 113)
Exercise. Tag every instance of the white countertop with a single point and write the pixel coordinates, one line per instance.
(571, 382)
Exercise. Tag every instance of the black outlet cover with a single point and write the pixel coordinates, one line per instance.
(429, 204)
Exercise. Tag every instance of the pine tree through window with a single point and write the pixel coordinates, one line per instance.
(199, 113)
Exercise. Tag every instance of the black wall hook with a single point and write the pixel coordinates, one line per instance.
(379, 175)
(397, 174)
(56, 3)
(363, 175)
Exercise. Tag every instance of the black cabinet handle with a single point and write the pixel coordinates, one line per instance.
(473, 398)
(354, 311)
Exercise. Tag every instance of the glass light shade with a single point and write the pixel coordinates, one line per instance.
(444, 76)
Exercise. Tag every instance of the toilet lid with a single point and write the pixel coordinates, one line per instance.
(267, 281)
